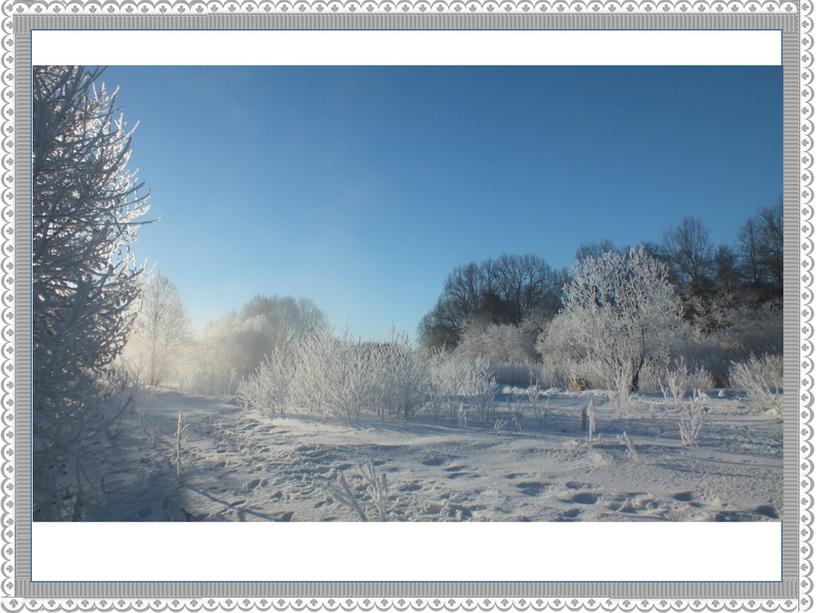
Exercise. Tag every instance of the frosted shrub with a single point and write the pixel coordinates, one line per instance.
(700, 378)
(761, 378)
(346, 377)
(533, 390)
(441, 376)
(400, 377)
(476, 381)
(499, 343)
(692, 419)
(453, 379)
(651, 376)
(267, 388)
(676, 382)
(334, 376)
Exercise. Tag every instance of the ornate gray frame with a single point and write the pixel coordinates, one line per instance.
(795, 22)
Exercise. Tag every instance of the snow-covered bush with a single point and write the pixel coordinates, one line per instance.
(692, 418)
(400, 376)
(334, 376)
(677, 380)
(455, 376)
(267, 388)
(340, 375)
(761, 378)
(563, 362)
(700, 378)
(454, 379)
(674, 386)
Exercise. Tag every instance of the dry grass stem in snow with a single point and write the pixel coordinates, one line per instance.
(631, 450)
(622, 389)
(338, 488)
(692, 419)
(376, 487)
(180, 427)
(593, 422)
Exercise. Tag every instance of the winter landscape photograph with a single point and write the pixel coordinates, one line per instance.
(407, 293)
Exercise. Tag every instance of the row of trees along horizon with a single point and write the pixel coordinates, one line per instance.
(94, 309)
(526, 291)
(499, 309)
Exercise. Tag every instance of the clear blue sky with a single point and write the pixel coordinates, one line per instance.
(362, 187)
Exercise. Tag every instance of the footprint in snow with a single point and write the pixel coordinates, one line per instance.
(410, 487)
(532, 488)
(583, 498)
(434, 461)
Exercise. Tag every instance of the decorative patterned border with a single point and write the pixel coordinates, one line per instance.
(7, 494)
(398, 604)
(210, 7)
(807, 303)
(214, 7)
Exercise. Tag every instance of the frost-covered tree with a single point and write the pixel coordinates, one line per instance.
(85, 210)
(161, 332)
(86, 207)
(619, 310)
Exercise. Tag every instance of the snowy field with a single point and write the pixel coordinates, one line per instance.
(240, 465)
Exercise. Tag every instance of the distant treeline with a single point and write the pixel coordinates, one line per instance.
(525, 292)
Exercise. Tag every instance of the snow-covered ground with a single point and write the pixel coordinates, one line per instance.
(238, 465)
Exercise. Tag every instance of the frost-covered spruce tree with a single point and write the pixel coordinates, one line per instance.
(619, 309)
(86, 206)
